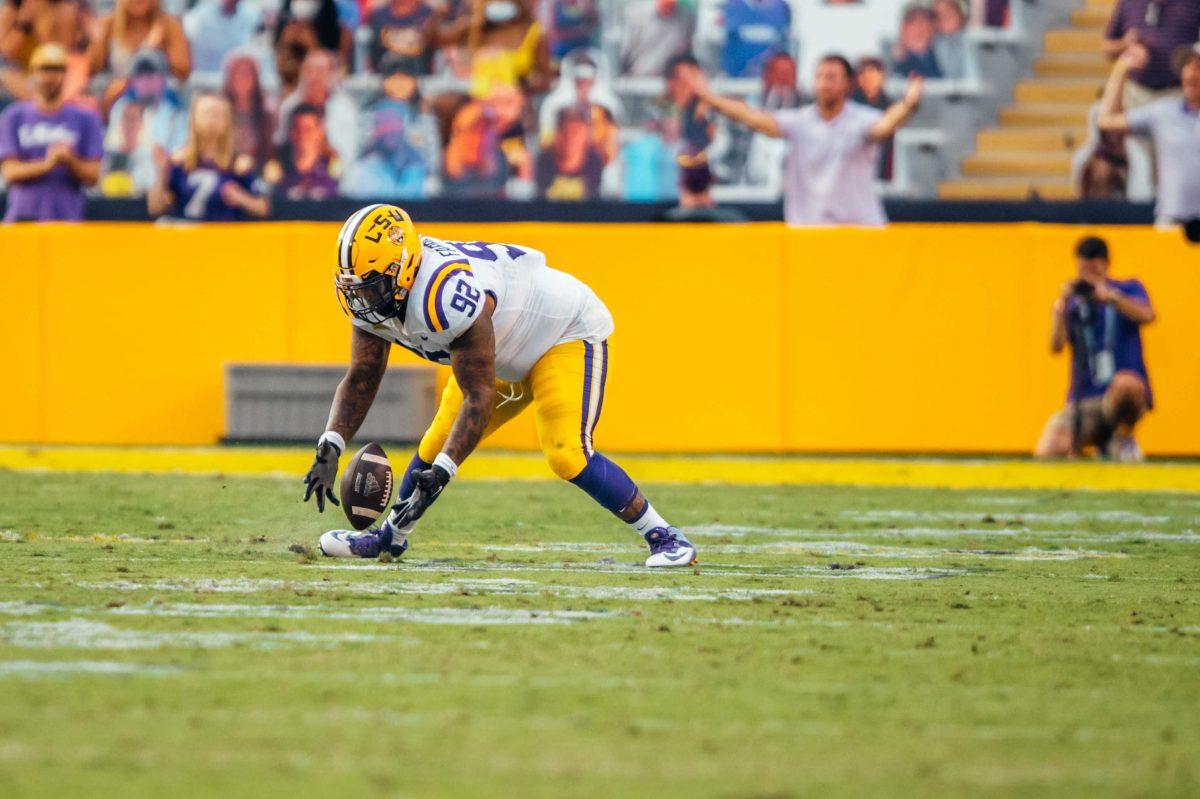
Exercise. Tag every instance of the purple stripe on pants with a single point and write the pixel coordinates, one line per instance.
(587, 397)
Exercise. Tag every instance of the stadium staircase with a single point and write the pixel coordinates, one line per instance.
(1028, 154)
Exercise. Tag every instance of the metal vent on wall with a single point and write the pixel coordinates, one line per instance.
(286, 402)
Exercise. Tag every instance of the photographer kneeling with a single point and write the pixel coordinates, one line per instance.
(1101, 319)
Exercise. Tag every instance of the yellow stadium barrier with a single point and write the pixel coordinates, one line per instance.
(752, 338)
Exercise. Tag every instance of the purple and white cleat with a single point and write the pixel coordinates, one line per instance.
(669, 548)
(369, 544)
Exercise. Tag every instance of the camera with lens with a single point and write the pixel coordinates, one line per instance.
(1191, 230)
(1084, 289)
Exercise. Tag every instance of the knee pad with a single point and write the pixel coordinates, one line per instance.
(567, 463)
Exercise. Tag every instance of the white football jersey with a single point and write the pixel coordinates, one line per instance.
(536, 307)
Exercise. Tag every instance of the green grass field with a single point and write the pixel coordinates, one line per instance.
(175, 636)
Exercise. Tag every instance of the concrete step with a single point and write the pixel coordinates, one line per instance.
(1073, 40)
(1006, 189)
(1015, 163)
(1043, 114)
(1058, 90)
(1089, 17)
(1073, 65)
(1055, 138)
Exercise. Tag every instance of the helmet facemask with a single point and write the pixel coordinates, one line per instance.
(372, 299)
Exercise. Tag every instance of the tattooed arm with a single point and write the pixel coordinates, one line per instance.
(356, 392)
(473, 358)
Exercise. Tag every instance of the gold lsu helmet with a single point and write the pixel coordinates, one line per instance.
(379, 253)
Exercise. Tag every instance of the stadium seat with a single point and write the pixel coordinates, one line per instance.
(1047, 120)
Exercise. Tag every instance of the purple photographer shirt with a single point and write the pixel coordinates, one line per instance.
(1116, 333)
(25, 134)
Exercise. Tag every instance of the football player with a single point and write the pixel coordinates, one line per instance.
(514, 331)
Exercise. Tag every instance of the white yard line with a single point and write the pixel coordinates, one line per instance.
(59, 668)
(199, 585)
(453, 586)
(436, 616)
(1033, 553)
(1186, 537)
(705, 569)
(739, 531)
(999, 531)
(97, 538)
(861, 572)
(22, 608)
(1191, 630)
(80, 633)
(824, 549)
(1060, 517)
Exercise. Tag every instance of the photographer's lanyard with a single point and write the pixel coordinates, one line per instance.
(1100, 363)
(1103, 362)
(1153, 13)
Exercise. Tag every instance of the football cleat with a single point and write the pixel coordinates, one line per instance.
(669, 548)
(1124, 449)
(371, 544)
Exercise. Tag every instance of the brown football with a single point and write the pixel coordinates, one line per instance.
(366, 486)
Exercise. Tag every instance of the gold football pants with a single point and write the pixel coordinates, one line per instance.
(566, 389)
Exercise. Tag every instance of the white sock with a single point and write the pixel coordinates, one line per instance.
(648, 520)
(399, 534)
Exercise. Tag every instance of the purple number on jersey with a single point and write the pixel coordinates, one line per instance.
(465, 299)
(483, 250)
